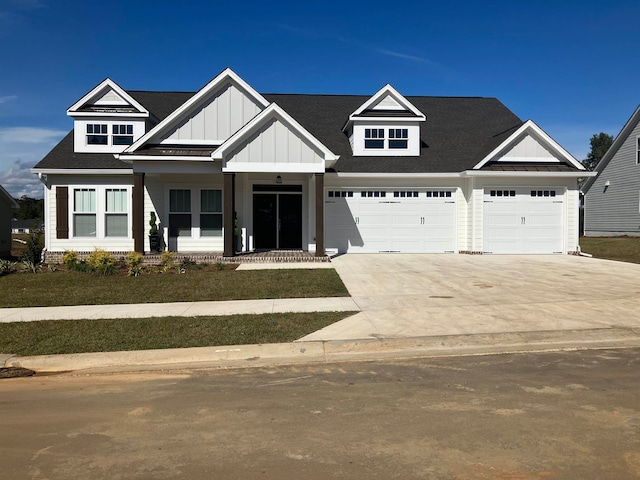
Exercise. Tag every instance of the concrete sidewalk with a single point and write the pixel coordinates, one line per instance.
(408, 305)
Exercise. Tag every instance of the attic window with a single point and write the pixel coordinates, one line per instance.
(398, 137)
(122, 134)
(374, 138)
(97, 134)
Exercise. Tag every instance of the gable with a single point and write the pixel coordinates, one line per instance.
(107, 98)
(214, 119)
(209, 117)
(387, 103)
(624, 145)
(273, 142)
(528, 149)
(529, 144)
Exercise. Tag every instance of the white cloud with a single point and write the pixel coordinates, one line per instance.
(8, 98)
(20, 149)
(19, 181)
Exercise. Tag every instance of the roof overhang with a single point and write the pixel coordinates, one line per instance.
(521, 174)
(82, 171)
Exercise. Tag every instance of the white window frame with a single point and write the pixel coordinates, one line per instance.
(104, 132)
(124, 212)
(122, 130)
(374, 134)
(100, 212)
(176, 212)
(200, 213)
(638, 150)
(84, 213)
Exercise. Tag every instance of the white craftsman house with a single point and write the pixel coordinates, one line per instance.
(227, 169)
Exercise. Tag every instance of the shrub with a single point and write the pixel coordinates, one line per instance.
(167, 261)
(101, 262)
(70, 259)
(7, 267)
(134, 264)
(33, 252)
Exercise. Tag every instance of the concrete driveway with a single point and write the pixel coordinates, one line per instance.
(432, 295)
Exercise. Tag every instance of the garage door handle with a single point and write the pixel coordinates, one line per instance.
(523, 221)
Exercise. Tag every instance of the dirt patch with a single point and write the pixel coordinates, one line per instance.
(15, 372)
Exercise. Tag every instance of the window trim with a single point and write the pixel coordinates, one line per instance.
(100, 212)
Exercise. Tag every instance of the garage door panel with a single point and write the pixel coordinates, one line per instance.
(394, 221)
(523, 222)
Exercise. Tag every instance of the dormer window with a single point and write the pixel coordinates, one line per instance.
(122, 134)
(398, 137)
(374, 138)
(97, 134)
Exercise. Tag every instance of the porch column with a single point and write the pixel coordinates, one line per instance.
(138, 212)
(319, 214)
(229, 203)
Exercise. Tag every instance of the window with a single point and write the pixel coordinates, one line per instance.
(373, 194)
(503, 193)
(543, 193)
(638, 150)
(447, 194)
(211, 213)
(84, 212)
(179, 213)
(374, 138)
(405, 194)
(398, 137)
(97, 134)
(122, 134)
(115, 219)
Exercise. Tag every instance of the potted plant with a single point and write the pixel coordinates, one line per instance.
(154, 236)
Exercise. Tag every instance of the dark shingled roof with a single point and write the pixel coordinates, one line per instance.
(458, 133)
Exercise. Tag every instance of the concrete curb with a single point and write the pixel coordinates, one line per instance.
(328, 351)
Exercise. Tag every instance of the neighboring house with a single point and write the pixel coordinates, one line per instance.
(25, 226)
(319, 173)
(612, 198)
(7, 206)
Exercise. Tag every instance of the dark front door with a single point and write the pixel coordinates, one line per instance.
(277, 220)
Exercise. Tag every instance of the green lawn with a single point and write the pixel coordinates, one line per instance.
(52, 337)
(76, 288)
(623, 249)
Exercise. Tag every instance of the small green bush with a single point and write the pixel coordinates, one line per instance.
(33, 254)
(101, 262)
(134, 264)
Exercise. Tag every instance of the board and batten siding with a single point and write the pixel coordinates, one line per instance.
(216, 119)
(275, 143)
(528, 148)
(615, 209)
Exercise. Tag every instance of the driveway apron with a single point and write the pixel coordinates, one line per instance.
(404, 295)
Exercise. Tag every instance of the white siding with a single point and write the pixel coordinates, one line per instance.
(528, 149)
(216, 118)
(275, 143)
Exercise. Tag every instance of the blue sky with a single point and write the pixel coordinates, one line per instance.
(568, 65)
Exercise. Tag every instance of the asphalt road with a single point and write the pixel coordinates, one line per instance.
(567, 415)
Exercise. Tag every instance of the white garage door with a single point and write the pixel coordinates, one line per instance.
(390, 220)
(523, 220)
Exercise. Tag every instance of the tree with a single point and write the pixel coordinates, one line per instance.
(600, 143)
(30, 208)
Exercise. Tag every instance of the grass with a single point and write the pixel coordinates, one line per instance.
(623, 249)
(76, 288)
(51, 337)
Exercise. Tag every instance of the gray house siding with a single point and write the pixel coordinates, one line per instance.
(615, 209)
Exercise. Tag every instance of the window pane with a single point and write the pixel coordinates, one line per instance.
(115, 129)
(397, 143)
(103, 129)
(116, 200)
(119, 140)
(97, 140)
(180, 225)
(84, 200)
(129, 129)
(180, 200)
(211, 201)
(116, 225)
(211, 224)
(374, 144)
(84, 225)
